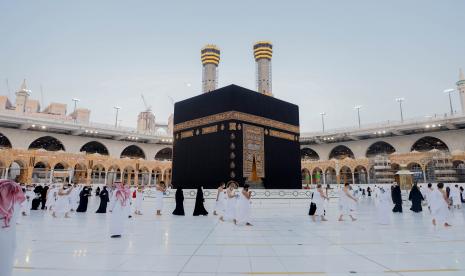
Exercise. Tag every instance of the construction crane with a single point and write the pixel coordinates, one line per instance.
(148, 108)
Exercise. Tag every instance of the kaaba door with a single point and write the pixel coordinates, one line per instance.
(254, 177)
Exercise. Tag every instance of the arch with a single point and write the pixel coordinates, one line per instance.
(144, 176)
(156, 176)
(133, 152)
(167, 176)
(41, 172)
(345, 175)
(379, 148)
(330, 176)
(428, 143)
(47, 143)
(98, 174)
(309, 155)
(94, 147)
(305, 173)
(113, 174)
(60, 166)
(360, 175)
(340, 152)
(80, 173)
(164, 154)
(317, 174)
(128, 175)
(17, 171)
(4, 142)
(459, 167)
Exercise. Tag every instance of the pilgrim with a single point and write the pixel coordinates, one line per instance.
(160, 190)
(104, 198)
(416, 198)
(346, 201)
(11, 197)
(244, 206)
(119, 202)
(318, 199)
(179, 197)
(199, 209)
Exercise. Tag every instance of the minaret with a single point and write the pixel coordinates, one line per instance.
(21, 97)
(461, 89)
(263, 51)
(210, 56)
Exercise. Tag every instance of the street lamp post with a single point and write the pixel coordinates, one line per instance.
(357, 107)
(117, 108)
(75, 105)
(323, 120)
(400, 101)
(450, 91)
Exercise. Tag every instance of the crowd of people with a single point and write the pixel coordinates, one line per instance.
(439, 201)
(231, 205)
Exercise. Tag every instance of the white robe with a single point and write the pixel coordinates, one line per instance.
(74, 198)
(439, 207)
(319, 202)
(62, 205)
(243, 209)
(118, 216)
(345, 205)
(230, 213)
(455, 196)
(158, 200)
(8, 243)
(384, 207)
(27, 204)
(51, 198)
(138, 201)
(220, 205)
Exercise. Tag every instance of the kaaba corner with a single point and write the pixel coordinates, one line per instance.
(234, 133)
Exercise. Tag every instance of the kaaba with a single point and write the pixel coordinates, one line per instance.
(234, 133)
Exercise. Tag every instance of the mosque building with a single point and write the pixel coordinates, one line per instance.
(42, 144)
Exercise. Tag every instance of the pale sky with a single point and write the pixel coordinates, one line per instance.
(328, 55)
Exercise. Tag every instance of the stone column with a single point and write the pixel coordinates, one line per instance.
(105, 180)
(89, 175)
(51, 176)
(311, 179)
(150, 178)
(136, 178)
(324, 178)
(353, 178)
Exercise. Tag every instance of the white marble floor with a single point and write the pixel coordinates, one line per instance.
(283, 241)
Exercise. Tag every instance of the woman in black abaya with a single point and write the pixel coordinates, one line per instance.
(199, 209)
(415, 197)
(396, 195)
(179, 211)
(83, 199)
(104, 198)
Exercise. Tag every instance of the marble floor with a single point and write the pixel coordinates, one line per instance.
(283, 241)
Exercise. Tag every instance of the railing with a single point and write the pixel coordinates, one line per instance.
(385, 125)
(30, 118)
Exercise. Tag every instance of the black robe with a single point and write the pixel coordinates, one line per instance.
(83, 200)
(104, 198)
(416, 197)
(36, 202)
(179, 211)
(43, 197)
(397, 199)
(199, 209)
(97, 191)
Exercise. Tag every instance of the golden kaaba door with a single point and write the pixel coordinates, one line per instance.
(253, 152)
